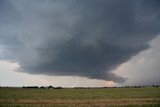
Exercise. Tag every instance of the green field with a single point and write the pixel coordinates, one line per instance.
(112, 97)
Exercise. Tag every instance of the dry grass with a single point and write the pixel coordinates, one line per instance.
(18, 97)
(86, 102)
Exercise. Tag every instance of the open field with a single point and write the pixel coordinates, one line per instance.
(112, 97)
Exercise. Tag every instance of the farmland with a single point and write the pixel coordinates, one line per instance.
(112, 97)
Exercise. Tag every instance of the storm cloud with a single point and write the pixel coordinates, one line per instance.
(87, 38)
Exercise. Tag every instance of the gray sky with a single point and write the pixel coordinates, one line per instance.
(79, 43)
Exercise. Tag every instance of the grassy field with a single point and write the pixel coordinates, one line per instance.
(112, 97)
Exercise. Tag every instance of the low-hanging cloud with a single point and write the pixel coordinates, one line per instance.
(76, 37)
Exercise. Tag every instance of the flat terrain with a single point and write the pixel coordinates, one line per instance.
(129, 97)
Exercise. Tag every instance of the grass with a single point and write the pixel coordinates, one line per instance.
(148, 105)
(109, 93)
(112, 97)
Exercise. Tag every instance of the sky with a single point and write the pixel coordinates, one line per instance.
(70, 43)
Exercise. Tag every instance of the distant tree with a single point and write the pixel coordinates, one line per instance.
(50, 87)
(156, 86)
(42, 87)
(58, 87)
(30, 87)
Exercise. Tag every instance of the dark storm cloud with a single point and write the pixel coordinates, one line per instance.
(77, 37)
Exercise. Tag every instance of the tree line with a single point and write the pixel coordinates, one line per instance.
(43, 87)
